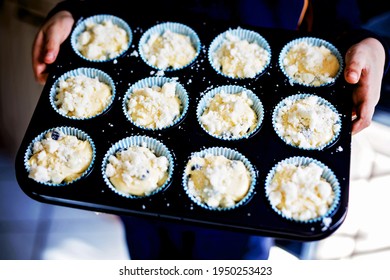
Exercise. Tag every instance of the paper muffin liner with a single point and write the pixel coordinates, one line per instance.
(181, 93)
(91, 73)
(232, 155)
(157, 147)
(176, 28)
(81, 26)
(314, 42)
(81, 135)
(321, 101)
(327, 174)
(243, 34)
(229, 89)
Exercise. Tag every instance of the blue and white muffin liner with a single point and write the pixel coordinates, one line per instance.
(88, 72)
(81, 26)
(321, 101)
(229, 89)
(149, 82)
(157, 147)
(313, 42)
(174, 27)
(327, 175)
(81, 135)
(242, 34)
(232, 155)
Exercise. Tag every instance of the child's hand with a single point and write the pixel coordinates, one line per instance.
(364, 67)
(47, 43)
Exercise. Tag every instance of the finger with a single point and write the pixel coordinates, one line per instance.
(364, 106)
(56, 34)
(52, 47)
(43, 78)
(354, 63)
(364, 114)
(41, 74)
(37, 62)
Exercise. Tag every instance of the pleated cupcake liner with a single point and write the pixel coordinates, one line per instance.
(327, 175)
(81, 27)
(312, 41)
(229, 154)
(81, 135)
(174, 27)
(157, 147)
(257, 107)
(149, 82)
(321, 101)
(90, 73)
(242, 34)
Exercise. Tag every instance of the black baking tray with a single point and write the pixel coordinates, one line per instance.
(264, 149)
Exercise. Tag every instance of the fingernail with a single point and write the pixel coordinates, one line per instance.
(50, 55)
(353, 76)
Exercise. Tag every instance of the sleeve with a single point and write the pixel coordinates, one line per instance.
(75, 7)
(162, 10)
(85, 8)
(81, 9)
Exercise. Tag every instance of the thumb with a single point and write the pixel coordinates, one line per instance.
(52, 46)
(354, 66)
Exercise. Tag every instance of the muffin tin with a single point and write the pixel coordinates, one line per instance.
(263, 148)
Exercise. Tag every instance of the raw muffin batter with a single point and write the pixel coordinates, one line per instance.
(240, 58)
(81, 96)
(217, 181)
(155, 107)
(229, 115)
(307, 124)
(299, 192)
(102, 41)
(59, 158)
(311, 65)
(169, 49)
(137, 171)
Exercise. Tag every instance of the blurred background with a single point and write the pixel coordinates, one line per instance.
(33, 230)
